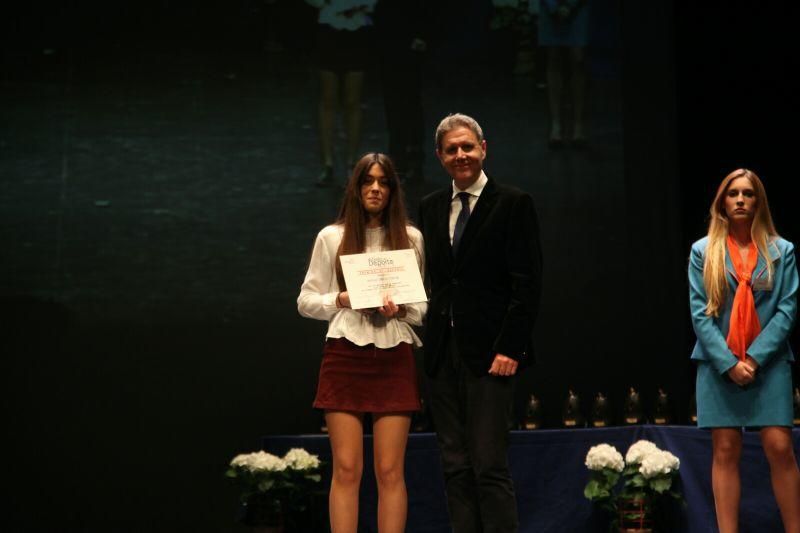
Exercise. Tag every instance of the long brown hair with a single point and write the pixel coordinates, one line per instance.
(353, 217)
(761, 231)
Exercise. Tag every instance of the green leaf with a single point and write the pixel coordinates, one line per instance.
(629, 494)
(631, 469)
(265, 485)
(661, 484)
(612, 476)
(608, 506)
(591, 490)
(638, 481)
(595, 491)
(314, 477)
(231, 473)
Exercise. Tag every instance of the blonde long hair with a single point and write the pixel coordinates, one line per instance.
(762, 231)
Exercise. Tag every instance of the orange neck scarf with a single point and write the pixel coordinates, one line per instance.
(744, 326)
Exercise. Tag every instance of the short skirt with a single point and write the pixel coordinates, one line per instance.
(343, 51)
(570, 33)
(367, 379)
(765, 402)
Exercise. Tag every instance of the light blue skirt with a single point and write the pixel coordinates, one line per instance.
(574, 32)
(765, 402)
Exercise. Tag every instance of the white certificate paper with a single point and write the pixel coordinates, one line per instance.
(371, 276)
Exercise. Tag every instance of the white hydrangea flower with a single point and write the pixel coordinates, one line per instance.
(639, 450)
(299, 459)
(658, 463)
(259, 462)
(604, 456)
(241, 460)
(266, 462)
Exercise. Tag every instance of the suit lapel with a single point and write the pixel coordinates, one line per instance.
(483, 207)
(761, 266)
(442, 215)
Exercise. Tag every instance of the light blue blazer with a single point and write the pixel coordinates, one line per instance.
(776, 307)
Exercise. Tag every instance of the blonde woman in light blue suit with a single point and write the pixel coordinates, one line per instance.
(743, 286)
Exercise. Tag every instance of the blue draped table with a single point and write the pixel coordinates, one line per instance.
(549, 476)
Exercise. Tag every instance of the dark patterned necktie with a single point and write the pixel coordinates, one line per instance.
(461, 221)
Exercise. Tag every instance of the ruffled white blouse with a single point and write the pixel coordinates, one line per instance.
(347, 15)
(319, 290)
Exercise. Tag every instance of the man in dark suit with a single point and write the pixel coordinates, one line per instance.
(484, 263)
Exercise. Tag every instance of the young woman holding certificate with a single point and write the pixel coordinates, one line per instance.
(742, 291)
(367, 363)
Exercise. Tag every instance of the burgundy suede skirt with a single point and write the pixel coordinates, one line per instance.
(367, 379)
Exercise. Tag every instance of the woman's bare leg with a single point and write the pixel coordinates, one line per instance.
(578, 81)
(391, 434)
(777, 442)
(328, 102)
(353, 85)
(725, 481)
(346, 431)
(555, 67)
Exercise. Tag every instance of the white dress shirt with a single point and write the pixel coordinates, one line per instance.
(319, 290)
(474, 191)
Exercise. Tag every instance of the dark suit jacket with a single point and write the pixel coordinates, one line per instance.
(492, 286)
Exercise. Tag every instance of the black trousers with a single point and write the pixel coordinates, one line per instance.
(473, 416)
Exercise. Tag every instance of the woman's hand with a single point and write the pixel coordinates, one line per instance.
(390, 310)
(742, 374)
(343, 299)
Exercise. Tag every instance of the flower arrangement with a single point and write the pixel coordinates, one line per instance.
(649, 474)
(274, 486)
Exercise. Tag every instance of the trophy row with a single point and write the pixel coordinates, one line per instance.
(600, 415)
(633, 412)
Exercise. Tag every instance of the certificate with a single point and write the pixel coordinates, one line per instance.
(371, 276)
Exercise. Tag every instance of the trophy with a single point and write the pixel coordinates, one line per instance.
(572, 417)
(797, 406)
(533, 414)
(632, 413)
(601, 412)
(661, 411)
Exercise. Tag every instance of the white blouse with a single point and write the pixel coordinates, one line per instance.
(318, 294)
(349, 15)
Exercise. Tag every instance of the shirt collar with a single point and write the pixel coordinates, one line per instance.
(475, 189)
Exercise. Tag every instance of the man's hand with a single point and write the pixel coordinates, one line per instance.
(742, 374)
(503, 366)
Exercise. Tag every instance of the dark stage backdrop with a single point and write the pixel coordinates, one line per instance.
(158, 207)
(738, 107)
